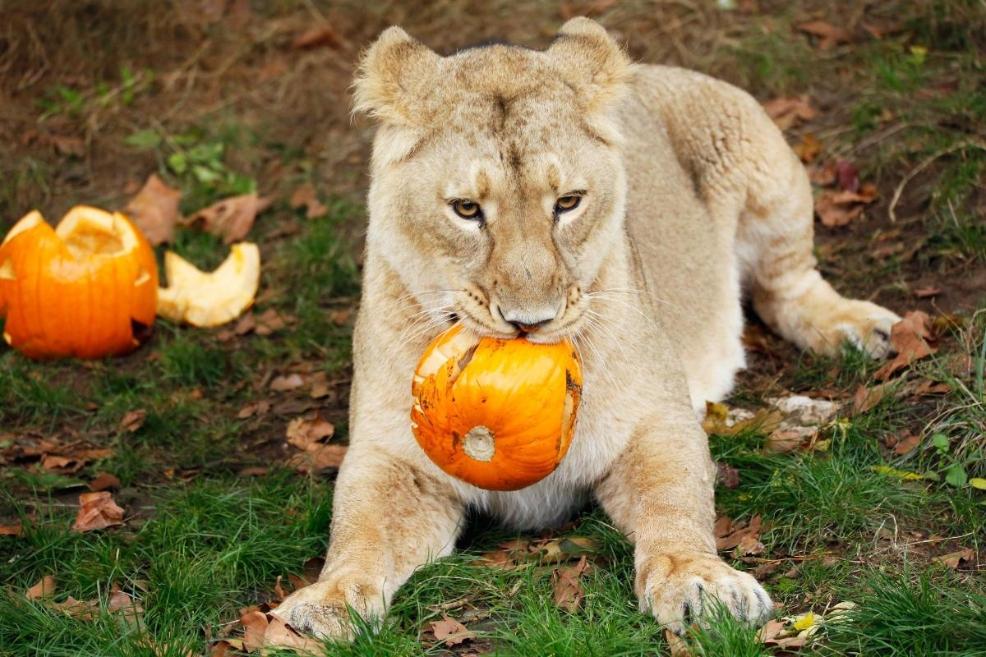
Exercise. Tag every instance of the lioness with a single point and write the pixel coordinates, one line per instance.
(569, 193)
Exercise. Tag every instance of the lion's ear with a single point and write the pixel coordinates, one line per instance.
(394, 78)
(591, 61)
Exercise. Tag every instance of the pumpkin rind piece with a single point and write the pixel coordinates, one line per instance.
(499, 414)
(209, 299)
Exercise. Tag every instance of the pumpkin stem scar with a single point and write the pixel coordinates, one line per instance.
(479, 444)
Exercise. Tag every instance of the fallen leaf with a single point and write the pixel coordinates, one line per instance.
(954, 559)
(839, 208)
(103, 481)
(770, 630)
(783, 441)
(726, 475)
(231, 218)
(907, 443)
(828, 35)
(926, 291)
(302, 432)
(68, 145)
(316, 37)
(124, 604)
(848, 176)
(269, 322)
(808, 148)
(254, 624)
(566, 584)
(741, 535)
(286, 383)
(909, 339)
(866, 398)
(280, 634)
(155, 210)
(45, 588)
(133, 420)
(318, 458)
(260, 408)
(55, 462)
(97, 511)
(978, 483)
(253, 471)
(786, 111)
(221, 649)
(15, 529)
(340, 316)
(450, 631)
(305, 196)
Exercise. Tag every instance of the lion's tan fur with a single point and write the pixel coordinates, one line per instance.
(692, 196)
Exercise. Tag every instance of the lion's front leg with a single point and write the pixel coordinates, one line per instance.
(660, 493)
(389, 518)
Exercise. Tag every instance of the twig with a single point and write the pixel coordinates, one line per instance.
(921, 167)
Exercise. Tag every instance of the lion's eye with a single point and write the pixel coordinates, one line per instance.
(467, 209)
(567, 203)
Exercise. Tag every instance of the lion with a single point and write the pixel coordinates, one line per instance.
(569, 194)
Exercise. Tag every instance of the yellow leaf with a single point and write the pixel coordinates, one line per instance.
(978, 482)
(804, 621)
(897, 474)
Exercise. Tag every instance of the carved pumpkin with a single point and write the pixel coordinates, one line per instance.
(498, 414)
(87, 289)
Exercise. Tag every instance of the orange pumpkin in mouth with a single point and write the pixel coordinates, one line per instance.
(87, 289)
(499, 414)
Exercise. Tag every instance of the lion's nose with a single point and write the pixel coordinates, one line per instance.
(525, 322)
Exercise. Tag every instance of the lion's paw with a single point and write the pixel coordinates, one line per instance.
(867, 327)
(325, 609)
(679, 588)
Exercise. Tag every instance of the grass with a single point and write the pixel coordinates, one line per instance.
(202, 540)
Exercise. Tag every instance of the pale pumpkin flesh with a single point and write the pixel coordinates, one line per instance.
(499, 414)
(207, 299)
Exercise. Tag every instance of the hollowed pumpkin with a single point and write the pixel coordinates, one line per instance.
(498, 414)
(87, 289)
(208, 299)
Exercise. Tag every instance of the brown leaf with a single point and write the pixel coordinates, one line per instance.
(786, 111)
(450, 631)
(45, 588)
(103, 481)
(319, 457)
(316, 37)
(770, 630)
(909, 338)
(281, 634)
(269, 322)
(78, 609)
(133, 420)
(254, 624)
(286, 383)
(808, 148)
(231, 218)
(155, 210)
(15, 529)
(56, 462)
(726, 475)
(259, 408)
(954, 559)
(867, 398)
(221, 649)
(847, 175)
(783, 441)
(828, 35)
(303, 432)
(566, 584)
(305, 196)
(926, 291)
(839, 208)
(742, 535)
(68, 145)
(907, 443)
(253, 471)
(122, 603)
(97, 511)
